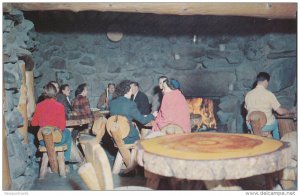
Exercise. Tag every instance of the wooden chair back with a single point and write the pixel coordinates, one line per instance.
(56, 133)
(118, 127)
(172, 129)
(96, 173)
(98, 128)
(258, 120)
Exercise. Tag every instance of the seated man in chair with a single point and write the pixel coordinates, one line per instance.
(261, 99)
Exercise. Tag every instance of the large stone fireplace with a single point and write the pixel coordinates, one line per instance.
(213, 57)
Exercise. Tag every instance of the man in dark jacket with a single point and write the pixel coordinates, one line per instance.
(122, 105)
(63, 97)
(140, 99)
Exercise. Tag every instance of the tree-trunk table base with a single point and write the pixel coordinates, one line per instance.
(218, 159)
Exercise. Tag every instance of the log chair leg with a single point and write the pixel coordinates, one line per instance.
(118, 164)
(152, 180)
(61, 164)
(44, 166)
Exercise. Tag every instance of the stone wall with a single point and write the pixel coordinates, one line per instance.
(23, 166)
(222, 66)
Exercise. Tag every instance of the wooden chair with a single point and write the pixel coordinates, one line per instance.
(118, 128)
(51, 154)
(98, 130)
(257, 121)
(96, 173)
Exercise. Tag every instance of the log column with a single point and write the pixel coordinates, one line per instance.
(22, 107)
(6, 180)
(30, 93)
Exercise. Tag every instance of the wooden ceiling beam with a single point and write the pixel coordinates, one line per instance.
(264, 10)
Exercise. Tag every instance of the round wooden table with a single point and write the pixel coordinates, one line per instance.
(214, 158)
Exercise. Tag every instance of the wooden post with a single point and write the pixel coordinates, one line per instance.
(6, 180)
(48, 138)
(88, 175)
(30, 93)
(22, 106)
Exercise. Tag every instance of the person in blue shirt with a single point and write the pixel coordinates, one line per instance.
(122, 105)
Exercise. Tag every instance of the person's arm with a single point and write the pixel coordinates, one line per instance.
(61, 117)
(283, 111)
(136, 114)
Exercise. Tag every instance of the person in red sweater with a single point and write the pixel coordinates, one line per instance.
(174, 108)
(52, 113)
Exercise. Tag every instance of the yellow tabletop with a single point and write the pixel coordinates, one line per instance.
(210, 146)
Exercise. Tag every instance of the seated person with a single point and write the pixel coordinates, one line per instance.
(49, 112)
(81, 104)
(122, 105)
(106, 97)
(261, 99)
(63, 97)
(42, 97)
(174, 108)
(140, 99)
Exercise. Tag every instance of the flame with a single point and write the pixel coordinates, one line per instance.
(205, 108)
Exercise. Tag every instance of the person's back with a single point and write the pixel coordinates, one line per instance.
(49, 113)
(261, 99)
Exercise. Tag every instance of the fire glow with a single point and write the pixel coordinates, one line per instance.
(205, 108)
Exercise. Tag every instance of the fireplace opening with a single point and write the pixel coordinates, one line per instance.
(203, 114)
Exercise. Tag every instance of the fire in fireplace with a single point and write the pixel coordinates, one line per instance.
(202, 114)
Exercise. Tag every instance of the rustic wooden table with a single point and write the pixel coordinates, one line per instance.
(218, 159)
(80, 122)
(76, 155)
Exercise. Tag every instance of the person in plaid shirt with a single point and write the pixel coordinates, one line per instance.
(81, 104)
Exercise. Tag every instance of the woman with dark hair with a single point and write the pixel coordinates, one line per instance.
(52, 113)
(122, 105)
(81, 104)
(174, 108)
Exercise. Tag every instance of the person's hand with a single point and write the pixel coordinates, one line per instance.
(154, 113)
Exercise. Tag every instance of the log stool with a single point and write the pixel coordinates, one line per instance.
(60, 158)
(52, 154)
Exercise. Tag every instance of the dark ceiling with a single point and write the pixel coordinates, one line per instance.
(156, 25)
